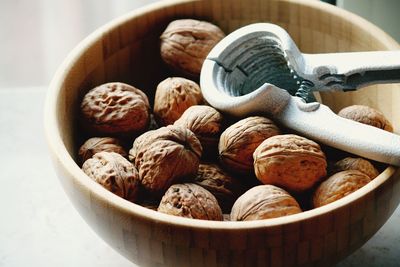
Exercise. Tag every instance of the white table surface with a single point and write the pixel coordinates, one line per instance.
(40, 227)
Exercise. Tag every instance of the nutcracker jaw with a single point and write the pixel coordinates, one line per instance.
(264, 52)
(233, 81)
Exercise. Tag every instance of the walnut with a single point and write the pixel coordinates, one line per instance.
(113, 172)
(339, 185)
(366, 115)
(190, 201)
(173, 96)
(170, 132)
(238, 142)
(165, 156)
(289, 161)
(224, 187)
(144, 140)
(98, 144)
(358, 164)
(206, 123)
(185, 44)
(115, 109)
(264, 202)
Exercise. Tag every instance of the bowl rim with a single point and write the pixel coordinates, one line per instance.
(61, 156)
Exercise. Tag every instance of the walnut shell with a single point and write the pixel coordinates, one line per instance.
(338, 186)
(165, 156)
(358, 164)
(224, 187)
(173, 96)
(366, 115)
(264, 202)
(238, 142)
(145, 139)
(289, 161)
(190, 201)
(113, 172)
(115, 109)
(185, 44)
(206, 123)
(170, 132)
(98, 144)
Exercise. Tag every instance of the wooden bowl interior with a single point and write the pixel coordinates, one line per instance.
(127, 50)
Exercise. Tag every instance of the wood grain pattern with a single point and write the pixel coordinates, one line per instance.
(126, 50)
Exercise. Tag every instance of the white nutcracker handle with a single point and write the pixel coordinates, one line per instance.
(313, 120)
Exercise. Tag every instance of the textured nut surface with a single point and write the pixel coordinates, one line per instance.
(113, 172)
(185, 44)
(165, 156)
(190, 201)
(358, 164)
(173, 96)
(98, 144)
(224, 187)
(115, 109)
(206, 123)
(264, 202)
(238, 142)
(144, 140)
(338, 186)
(366, 115)
(170, 132)
(289, 161)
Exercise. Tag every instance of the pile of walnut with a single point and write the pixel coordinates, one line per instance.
(187, 159)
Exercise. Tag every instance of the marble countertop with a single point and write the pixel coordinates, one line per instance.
(40, 227)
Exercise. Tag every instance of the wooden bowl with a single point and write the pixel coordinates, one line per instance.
(127, 50)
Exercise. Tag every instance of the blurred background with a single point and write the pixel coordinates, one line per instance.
(36, 35)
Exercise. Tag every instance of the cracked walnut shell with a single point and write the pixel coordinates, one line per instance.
(98, 144)
(338, 186)
(224, 187)
(165, 156)
(185, 44)
(190, 201)
(238, 142)
(289, 161)
(206, 123)
(264, 202)
(113, 172)
(366, 115)
(173, 96)
(115, 109)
